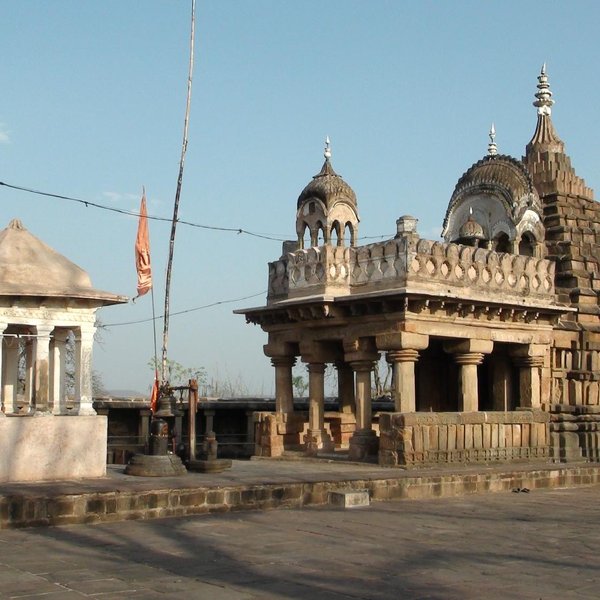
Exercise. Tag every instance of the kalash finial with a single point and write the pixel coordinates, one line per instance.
(492, 147)
(327, 151)
(543, 96)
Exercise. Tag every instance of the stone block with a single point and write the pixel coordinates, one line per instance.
(52, 448)
(349, 499)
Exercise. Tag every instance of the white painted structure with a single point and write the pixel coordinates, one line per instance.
(44, 299)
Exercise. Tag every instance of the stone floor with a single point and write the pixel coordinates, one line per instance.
(536, 545)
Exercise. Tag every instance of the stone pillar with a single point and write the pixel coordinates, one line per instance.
(42, 370)
(58, 392)
(347, 401)
(529, 380)
(404, 391)
(363, 370)
(145, 415)
(361, 354)
(468, 396)
(402, 353)
(316, 437)
(29, 381)
(209, 414)
(501, 384)
(10, 374)
(250, 421)
(3, 327)
(364, 442)
(468, 354)
(284, 390)
(84, 342)
(530, 359)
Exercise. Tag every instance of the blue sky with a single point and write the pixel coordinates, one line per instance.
(92, 104)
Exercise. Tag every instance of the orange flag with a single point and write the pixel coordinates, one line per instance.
(142, 252)
(154, 394)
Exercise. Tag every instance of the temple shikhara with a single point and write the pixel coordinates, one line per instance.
(493, 334)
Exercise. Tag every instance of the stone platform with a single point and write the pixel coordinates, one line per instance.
(262, 484)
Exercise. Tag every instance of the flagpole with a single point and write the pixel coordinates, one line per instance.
(177, 195)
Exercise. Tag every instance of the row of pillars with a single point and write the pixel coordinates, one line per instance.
(45, 370)
(402, 351)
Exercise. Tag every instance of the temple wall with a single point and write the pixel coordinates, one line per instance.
(49, 448)
(420, 439)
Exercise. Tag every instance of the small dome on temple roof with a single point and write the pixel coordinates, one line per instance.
(471, 230)
(29, 267)
(499, 169)
(327, 186)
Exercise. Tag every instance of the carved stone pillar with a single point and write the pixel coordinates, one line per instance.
(468, 354)
(502, 384)
(58, 352)
(41, 375)
(468, 396)
(29, 373)
(347, 401)
(10, 374)
(3, 327)
(529, 380)
(404, 391)
(84, 342)
(530, 360)
(364, 441)
(402, 353)
(316, 437)
(284, 390)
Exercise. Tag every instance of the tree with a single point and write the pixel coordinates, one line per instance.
(178, 375)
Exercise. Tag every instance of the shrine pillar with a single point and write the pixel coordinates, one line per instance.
(361, 355)
(41, 376)
(530, 359)
(10, 374)
(468, 354)
(402, 353)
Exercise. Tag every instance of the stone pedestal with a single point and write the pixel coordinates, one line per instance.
(149, 465)
(52, 448)
(364, 445)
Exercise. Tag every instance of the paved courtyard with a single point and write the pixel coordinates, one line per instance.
(538, 545)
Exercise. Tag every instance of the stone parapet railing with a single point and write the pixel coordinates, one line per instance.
(422, 265)
(421, 439)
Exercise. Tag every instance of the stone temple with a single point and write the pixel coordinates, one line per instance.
(493, 334)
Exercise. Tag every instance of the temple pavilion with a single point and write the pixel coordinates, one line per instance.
(493, 334)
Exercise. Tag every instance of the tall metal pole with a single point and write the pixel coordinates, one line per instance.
(177, 194)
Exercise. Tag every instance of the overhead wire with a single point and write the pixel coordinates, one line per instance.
(182, 312)
(132, 213)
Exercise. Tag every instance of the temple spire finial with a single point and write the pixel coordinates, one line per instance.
(327, 151)
(492, 147)
(543, 101)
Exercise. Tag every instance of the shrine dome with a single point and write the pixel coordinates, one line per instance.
(29, 267)
(497, 194)
(327, 208)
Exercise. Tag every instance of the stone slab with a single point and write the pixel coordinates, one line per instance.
(349, 499)
(50, 448)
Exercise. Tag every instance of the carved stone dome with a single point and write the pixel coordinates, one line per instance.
(499, 193)
(327, 210)
(471, 230)
(328, 187)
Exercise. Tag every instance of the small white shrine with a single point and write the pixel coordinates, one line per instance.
(47, 324)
